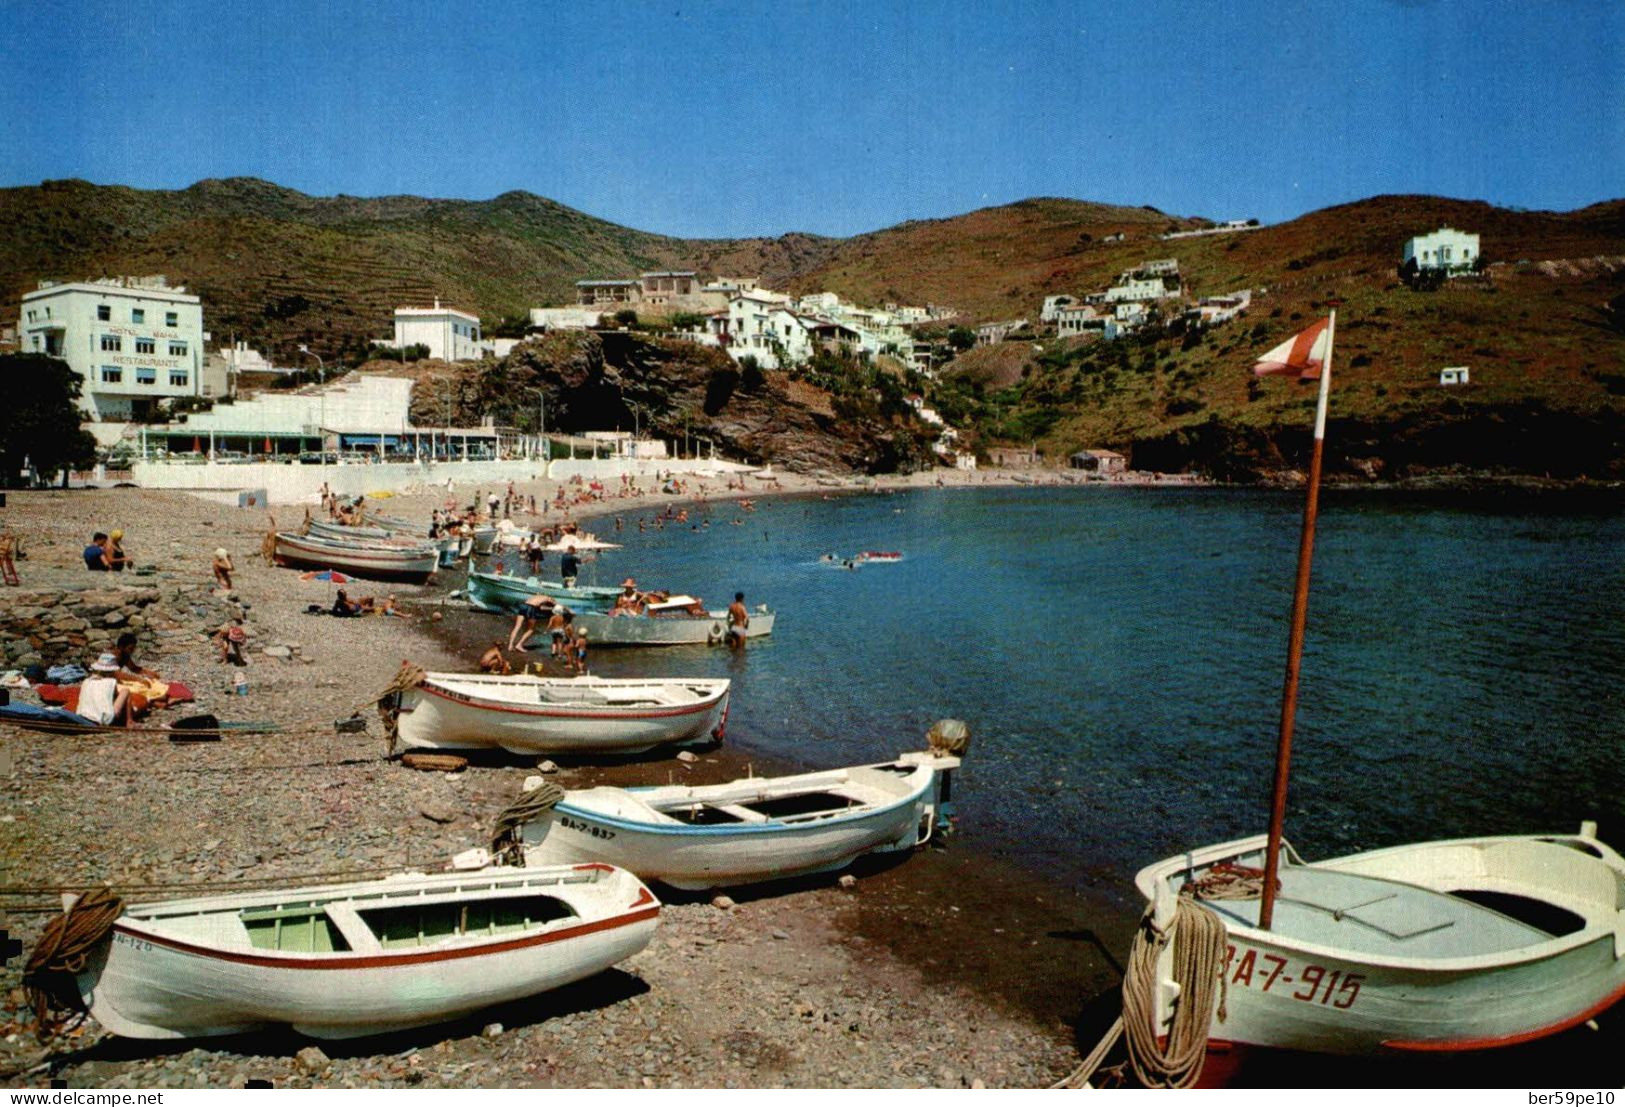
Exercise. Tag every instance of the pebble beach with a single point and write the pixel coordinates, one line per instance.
(921, 973)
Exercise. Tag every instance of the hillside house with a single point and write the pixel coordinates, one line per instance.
(1446, 250)
(1213, 310)
(1104, 462)
(1162, 267)
(1078, 320)
(1012, 457)
(1131, 288)
(1454, 375)
(449, 334)
(612, 294)
(1051, 310)
(991, 334)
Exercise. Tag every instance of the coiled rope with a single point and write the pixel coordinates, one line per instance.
(507, 844)
(408, 676)
(51, 975)
(1198, 939)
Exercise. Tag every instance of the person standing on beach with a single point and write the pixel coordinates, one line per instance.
(569, 567)
(738, 622)
(222, 568)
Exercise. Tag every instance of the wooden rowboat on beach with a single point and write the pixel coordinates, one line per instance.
(1438, 947)
(759, 828)
(535, 715)
(342, 961)
(373, 560)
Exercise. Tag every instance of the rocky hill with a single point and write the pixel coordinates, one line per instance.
(1543, 333)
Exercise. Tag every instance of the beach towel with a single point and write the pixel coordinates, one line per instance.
(65, 674)
(22, 714)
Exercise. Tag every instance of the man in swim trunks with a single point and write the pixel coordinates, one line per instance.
(738, 622)
(526, 614)
(569, 567)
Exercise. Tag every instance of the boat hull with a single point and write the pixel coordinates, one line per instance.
(684, 630)
(435, 716)
(700, 857)
(492, 592)
(375, 562)
(144, 984)
(1313, 996)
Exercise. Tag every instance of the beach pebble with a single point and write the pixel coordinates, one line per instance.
(311, 1059)
(686, 757)
(848, 881)
(437, 812)
(781, 936)
(722, 903)
(277, 651)
(492, 1030)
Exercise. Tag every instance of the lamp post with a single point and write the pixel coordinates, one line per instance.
(541, 409)
(321, 369)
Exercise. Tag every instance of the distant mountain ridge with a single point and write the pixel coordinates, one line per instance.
(1543, 332)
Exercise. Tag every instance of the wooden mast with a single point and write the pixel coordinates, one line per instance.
(1294, 654)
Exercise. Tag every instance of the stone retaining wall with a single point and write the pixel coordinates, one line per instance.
(62, 625)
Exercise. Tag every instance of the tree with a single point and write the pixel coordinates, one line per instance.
(961, 338)
(39, 422)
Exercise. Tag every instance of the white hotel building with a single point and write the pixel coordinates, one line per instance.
(134, 340)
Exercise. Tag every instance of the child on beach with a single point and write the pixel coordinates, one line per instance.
(222, 569)
(578, 654)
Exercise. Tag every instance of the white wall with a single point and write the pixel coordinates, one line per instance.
(286, 484)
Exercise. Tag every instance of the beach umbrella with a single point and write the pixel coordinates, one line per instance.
(332, 576)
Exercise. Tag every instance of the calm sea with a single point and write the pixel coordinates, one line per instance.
(1118, 654)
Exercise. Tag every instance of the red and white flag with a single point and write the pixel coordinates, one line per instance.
(1304, 354)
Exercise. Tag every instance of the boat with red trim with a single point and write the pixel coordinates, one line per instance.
(347, 960)
(527, 714)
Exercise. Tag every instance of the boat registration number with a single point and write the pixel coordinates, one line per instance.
(1307, 983)
(585, 828)
(134, 943)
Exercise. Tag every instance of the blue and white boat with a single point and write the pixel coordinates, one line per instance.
(494, 592)
(758, 828)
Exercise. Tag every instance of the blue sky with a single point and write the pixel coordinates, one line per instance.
(723, 119)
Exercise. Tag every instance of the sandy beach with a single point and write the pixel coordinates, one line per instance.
(929, 972)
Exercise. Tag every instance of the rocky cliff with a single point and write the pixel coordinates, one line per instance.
(677, 390)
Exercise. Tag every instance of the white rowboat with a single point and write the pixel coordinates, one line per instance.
(373, 560)
(534, 715)
(347, 960)
(1444, 946)
(759, 828)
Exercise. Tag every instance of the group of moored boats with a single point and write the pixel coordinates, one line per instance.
(1451, 946)
(559, 898)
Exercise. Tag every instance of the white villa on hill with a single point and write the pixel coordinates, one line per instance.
(1447, 249)
(449, 334)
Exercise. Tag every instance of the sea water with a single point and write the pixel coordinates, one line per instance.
(1119, 655)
